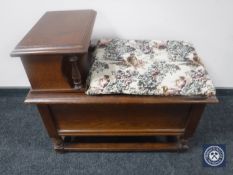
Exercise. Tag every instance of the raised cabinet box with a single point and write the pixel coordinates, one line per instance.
(56, 55)
(55, 51)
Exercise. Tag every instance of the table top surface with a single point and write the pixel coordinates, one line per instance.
(58, 32)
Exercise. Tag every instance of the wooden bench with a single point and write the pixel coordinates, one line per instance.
(55, 55)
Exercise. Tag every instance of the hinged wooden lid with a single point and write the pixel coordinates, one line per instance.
(58, 32)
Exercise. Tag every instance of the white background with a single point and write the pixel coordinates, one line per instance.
(208, 24)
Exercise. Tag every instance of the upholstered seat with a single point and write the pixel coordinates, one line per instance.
(148, 67)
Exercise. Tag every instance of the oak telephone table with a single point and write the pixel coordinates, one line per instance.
(56, 58)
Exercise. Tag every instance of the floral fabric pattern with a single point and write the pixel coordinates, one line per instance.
(148, 67)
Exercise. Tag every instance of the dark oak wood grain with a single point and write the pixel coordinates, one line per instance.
(93, 147)
(57, 57)
(121, 120)
(48, 120)
(193, 120)
(45, 72)
(61, 32)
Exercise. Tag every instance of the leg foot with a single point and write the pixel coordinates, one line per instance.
(58, 145)
(183, 144)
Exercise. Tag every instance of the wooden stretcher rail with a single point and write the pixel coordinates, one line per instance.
(122, 147)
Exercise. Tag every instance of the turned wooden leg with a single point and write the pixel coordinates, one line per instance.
(182, 143)
(191, 125)
(193, 120)
(76, 76)
(49, 124)
(58, 145)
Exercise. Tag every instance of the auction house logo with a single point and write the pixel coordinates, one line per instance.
(214, 155)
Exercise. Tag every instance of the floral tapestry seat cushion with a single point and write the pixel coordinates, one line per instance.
(148, 67)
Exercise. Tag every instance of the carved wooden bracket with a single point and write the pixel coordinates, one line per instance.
(76, 76)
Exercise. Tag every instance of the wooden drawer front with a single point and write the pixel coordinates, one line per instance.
(92, 120)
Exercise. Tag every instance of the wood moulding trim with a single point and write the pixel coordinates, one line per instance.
(151, 132)
(122, 147)
(24, 89)
(48, 50)
(68, 40)
(81, 98)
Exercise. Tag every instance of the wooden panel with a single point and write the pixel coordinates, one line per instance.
(54, 72)
(59, 32)
(120, 119)
(45, 72)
